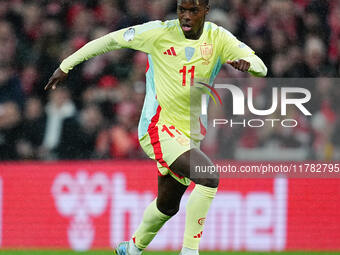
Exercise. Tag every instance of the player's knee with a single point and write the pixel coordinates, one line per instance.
(211, 182)
(167, 208)
(170, 211)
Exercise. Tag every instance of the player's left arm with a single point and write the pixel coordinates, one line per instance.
(240, 56)
(252, 64)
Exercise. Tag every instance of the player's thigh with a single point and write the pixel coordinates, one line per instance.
(170, 192)
(188, 164)
(165, 143)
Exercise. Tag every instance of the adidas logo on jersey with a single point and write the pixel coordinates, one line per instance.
(170, 52)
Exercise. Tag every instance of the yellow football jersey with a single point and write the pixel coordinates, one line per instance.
(175, 65)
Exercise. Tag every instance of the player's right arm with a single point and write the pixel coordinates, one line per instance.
(138, 37)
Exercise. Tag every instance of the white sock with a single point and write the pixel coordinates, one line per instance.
(187, 251)
(133, 249)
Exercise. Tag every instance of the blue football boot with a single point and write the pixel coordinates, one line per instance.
(122, 249)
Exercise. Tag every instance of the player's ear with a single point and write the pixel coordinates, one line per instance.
(207, 8)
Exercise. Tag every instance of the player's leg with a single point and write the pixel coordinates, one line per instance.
(200, 198)
(173, 150)
(166, 205)
(160, 210)
(170, 193)
(185, 165)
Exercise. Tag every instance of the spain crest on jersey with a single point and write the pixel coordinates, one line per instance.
(206, 52)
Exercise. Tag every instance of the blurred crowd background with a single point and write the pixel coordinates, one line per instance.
(95, 114)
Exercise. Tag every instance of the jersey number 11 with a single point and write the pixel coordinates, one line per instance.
(184, 72)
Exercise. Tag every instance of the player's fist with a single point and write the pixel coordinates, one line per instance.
(240, 65)
(57, 77)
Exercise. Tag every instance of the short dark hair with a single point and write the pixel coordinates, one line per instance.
(206, 2)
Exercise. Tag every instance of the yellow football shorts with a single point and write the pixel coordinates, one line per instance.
(165, 143)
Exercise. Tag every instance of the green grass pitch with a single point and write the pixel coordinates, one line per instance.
(58, 252)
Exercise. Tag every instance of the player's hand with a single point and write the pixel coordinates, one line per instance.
(57, 77)
(240, 65)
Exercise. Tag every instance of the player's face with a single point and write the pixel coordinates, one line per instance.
(191, 15)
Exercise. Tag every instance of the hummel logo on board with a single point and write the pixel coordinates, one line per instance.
(170, 52)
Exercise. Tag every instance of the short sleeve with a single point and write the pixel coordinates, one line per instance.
(140, 37)
(232, 49)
